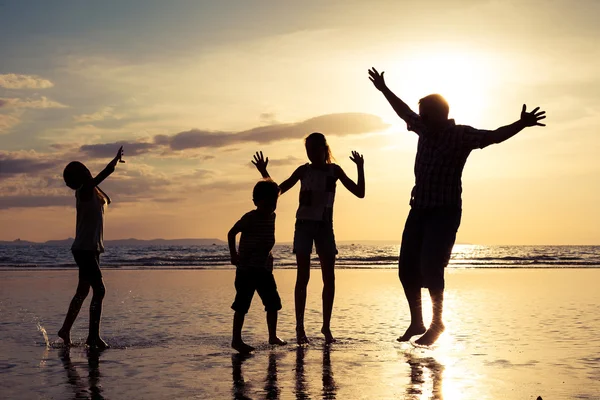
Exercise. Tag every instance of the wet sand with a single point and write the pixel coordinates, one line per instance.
(511, 334)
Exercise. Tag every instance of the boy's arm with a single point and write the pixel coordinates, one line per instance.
(411, 118)
(231, 242)
(506, 132)
(261, 164)
(356, 189)
(110, 168)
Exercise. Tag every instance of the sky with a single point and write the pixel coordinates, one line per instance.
(192, 89)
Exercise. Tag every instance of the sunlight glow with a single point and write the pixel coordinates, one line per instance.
(460, 76)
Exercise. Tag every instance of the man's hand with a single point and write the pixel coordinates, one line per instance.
(532, 118)
(377, 79)
(261, 163)
(357, 159)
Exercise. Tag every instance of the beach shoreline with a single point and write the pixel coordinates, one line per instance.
(511, 334)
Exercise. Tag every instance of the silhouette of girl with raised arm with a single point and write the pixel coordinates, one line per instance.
(88, 244)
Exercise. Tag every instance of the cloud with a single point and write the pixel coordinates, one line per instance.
(109, 150)
(7, 202)
(42, 102)
(331, 124)
(105, 113)
(28, 163)
(7, 121)
(17, 81)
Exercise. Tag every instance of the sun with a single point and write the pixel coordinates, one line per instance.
(461, 77)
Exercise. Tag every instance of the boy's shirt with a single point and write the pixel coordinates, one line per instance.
(257, 240)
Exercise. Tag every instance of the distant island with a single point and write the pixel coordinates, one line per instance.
(124, 242)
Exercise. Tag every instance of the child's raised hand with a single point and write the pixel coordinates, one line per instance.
(260, 162)
(357, 159)
(532, 118)
(118, 157)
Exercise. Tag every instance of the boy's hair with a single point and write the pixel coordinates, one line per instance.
(265, 189)
(436, 103)
(74, 174)
(319, 139)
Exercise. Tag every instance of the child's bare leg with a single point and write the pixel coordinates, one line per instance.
(437, 326)
(83, 288)
(417, 327)
(272, 325)
(302, 278)
(94, 339)
(237, 343)
(327, 270)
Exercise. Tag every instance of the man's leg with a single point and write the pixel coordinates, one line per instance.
(439, 238)
(83, 288)
(410, 274)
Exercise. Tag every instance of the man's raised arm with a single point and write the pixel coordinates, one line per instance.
(397, 104)
(527, 119)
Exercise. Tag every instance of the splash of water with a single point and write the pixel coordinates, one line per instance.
(44, 333)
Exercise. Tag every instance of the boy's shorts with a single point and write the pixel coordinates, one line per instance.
(88, 262)
(247, 281)
(319, 232)
(427, 242)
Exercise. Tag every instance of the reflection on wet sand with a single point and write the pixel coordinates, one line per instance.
(239, 389)
(329, 389)
(425, 378)
(83, 390)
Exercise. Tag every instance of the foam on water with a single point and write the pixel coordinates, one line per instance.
(44, 334)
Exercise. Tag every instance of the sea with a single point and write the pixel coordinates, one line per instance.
(351, 255)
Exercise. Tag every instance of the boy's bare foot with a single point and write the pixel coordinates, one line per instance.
(242, 347)
(65, 336)
(277, 341)
(412, 330)
(97, 343)
(301, 337)
(328, 336)
(432, 334)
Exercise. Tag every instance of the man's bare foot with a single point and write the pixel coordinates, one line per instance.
(97, 343)
(412, 330)
(242, 347)
(432, 334)
(277, 341)
(65, 336)
(328, 336)
(301, 337)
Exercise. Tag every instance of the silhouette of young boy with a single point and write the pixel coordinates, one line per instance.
(436, 205)
(254, 263)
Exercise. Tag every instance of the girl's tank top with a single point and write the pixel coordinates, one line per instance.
(317, 193)
(90, 223)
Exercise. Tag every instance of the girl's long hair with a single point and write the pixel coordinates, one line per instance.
(318, 139)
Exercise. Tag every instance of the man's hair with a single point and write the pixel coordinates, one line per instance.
(74, 173)
(265, 189)
(436, 103)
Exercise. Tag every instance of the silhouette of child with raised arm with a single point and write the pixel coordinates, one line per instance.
(88, 244)
(254, 263)
(436, 204)
(314, 221)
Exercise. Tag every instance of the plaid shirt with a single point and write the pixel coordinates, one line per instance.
(441, 157)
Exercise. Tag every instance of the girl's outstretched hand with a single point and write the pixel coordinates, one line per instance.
(357, 159)
(260, 163)
(118, 157)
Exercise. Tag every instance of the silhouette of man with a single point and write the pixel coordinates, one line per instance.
(436, 205)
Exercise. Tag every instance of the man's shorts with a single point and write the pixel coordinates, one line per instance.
(88, 262)
(319, 232)
(247, 281)
(427, 242)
